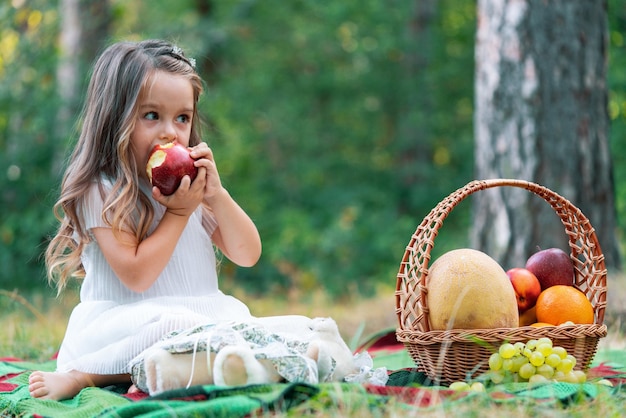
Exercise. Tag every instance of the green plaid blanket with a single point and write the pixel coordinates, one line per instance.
(194, 401)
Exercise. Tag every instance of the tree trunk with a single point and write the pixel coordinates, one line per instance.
(541, 115)
(85, 26)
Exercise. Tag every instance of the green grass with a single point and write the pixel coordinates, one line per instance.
(33, 325)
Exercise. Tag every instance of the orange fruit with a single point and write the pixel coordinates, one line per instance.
(560, 303)
(541, 324)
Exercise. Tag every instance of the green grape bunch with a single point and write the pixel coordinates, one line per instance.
(535, 361)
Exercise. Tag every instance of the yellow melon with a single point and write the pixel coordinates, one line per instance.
(467, 289)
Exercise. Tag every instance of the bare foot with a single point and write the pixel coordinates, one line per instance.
(133, 389)
(55, 385)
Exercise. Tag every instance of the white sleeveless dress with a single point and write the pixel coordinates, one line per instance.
(112, 324)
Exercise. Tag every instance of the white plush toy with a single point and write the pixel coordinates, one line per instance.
(166, 371)
(333, 357)
(236, 364)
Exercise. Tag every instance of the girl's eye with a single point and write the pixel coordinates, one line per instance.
(151, 116)
(183, 118)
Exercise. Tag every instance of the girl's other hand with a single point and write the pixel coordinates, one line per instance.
(187, 197)
(204, 159)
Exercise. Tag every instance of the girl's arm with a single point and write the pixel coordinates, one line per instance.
(139, 264)
(236, 235)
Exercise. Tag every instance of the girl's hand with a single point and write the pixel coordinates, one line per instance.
(187, 197)
(204, 159)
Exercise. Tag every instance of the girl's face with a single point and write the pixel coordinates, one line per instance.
(165, 112)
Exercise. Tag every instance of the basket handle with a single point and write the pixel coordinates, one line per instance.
(585, 252)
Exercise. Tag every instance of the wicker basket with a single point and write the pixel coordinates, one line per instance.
(459, 354)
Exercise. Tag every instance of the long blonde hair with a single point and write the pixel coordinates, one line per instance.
(103, 150)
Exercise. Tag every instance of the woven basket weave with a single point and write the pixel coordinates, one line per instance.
(458, 354)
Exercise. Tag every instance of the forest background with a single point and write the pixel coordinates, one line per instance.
(309, 109)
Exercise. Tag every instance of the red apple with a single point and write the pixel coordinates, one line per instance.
(527, 287)
(168, 164)
(551, 266)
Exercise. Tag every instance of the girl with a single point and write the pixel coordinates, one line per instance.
(146, 259)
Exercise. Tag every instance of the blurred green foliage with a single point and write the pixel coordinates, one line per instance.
(28, 103)
(335, 125)
(617, 109)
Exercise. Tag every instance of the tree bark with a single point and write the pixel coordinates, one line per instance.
(85, 26)
(541, 115)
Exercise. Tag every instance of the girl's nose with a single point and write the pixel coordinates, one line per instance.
(168, 132)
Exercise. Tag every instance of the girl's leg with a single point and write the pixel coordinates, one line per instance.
(65, 385)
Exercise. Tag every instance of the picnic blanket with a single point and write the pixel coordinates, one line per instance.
(406, 386)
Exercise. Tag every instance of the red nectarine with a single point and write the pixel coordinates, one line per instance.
(527, 287)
